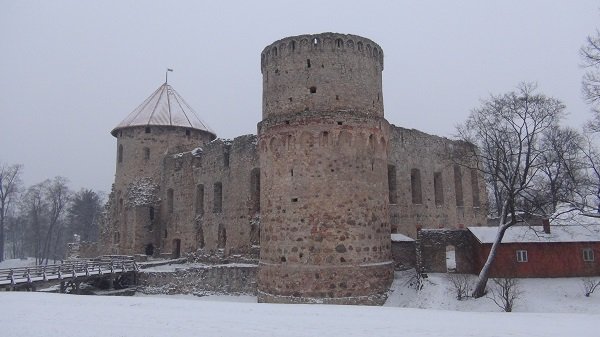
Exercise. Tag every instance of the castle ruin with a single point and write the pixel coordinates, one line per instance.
(318, 191)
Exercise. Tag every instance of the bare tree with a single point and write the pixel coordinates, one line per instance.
(461, 284)
(9, 187)
(34, 211)
(57, 195)
(562, 177)
(590, 54)
(504, 293)
(506, 130)
(589, 285)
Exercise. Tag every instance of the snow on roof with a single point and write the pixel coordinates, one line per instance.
(401, 238)
(165, 107)
(531, 234)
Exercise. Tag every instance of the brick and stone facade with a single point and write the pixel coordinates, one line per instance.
(319, 189)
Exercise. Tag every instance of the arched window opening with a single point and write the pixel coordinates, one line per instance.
(218, 197)
(200, 199)
(222, 237)
(226, 158)
(201, 237)
(147, 130)
(458, 190)
(450, 259)
(438, 188)
(170, 200)
(120, 153)
(176, 248)
(392, 184)
(149, 250)
(255, 190)
(324, 138)
(415, 185)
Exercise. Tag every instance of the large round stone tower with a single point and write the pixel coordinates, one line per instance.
(325, 235)
(164, 123)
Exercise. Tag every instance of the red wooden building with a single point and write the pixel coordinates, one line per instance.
(540, 251)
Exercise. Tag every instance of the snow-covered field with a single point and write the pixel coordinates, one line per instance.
(548, 307)
(38, 314)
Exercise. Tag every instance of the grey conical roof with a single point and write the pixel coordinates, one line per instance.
(165, 107)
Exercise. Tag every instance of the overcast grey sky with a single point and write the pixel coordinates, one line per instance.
(72, 70)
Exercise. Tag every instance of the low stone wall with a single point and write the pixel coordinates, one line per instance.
(432, 245)
(403, 254)
(199, 279)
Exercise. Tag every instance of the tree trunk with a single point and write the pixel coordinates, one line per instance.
(485, 271)
(479, 290)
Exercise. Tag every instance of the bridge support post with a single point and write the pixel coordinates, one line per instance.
(63, 288)
(111, 282)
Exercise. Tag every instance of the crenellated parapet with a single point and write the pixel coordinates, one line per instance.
(326, 72)
(309, 44)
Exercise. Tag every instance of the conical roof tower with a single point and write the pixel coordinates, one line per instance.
(163, 124)
(165, 107)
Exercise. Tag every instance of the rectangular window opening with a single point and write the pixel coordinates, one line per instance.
(392, 184)
(522, 256)
(458, 186)
(415, 186)
(438, 188)
(218, 197)
(588, 255)
(200, 199)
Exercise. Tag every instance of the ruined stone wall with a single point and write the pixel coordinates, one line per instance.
(403, 254)
(434, 243)
(226, 279)
(323, 156)
(418, 162)
(196, 219)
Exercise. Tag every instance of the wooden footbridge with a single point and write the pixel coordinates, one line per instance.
(114, 271)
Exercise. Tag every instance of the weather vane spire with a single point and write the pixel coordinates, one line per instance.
(167, 75)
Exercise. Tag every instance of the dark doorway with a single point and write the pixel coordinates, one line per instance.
(176, 248)
(149, 249)
(221, 237)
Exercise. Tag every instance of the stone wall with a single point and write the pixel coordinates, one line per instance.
(199, 280)
(322, 72)
(433, 245)
(403, 254)
(429, 189)
(213, 198)
(323, 154)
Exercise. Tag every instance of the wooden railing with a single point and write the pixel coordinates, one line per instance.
(110, 264)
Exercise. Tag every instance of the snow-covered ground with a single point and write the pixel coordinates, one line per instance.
(37, 314)
(17, 263)
(548, 307)
(538, 295)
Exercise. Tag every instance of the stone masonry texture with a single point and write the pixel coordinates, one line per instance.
(318, 190)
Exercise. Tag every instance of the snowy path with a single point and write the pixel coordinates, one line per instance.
(40, 314)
